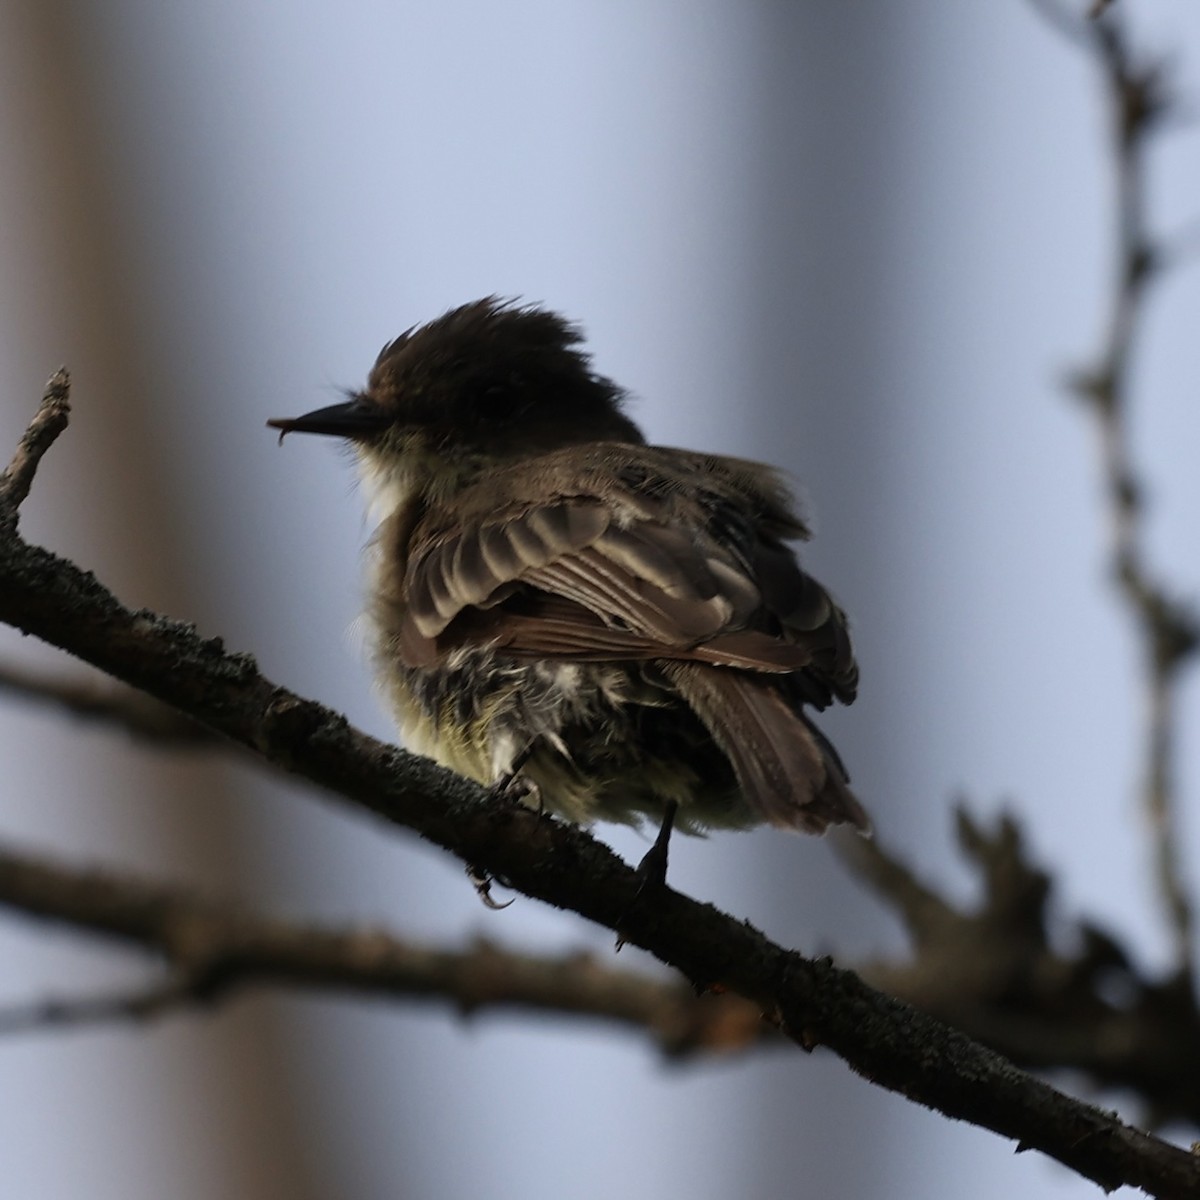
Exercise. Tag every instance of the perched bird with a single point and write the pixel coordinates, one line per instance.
(622, 627)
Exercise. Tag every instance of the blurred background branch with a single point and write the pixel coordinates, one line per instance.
(212, 951)
(105, 702)
(1140, 102)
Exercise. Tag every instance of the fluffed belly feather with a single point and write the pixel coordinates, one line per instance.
(605, 741)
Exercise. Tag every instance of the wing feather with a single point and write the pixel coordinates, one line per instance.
(587, 578)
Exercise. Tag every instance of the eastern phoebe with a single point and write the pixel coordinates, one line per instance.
(621, 627)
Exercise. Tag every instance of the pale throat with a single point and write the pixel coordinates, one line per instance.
(391, 480)
(388, 484)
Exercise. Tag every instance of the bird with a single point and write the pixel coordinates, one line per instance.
(622, 630)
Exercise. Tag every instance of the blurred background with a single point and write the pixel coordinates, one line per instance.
(861, 241)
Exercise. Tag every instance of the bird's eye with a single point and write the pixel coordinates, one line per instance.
(500, 401)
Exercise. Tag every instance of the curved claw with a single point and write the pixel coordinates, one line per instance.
(481, 881)
(513, 788)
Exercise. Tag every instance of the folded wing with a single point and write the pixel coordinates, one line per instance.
(743, 633)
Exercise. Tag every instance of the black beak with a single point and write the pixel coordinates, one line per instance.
(352, 419)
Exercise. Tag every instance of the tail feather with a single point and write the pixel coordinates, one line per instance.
(789, 773)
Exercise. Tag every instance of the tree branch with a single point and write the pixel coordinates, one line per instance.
(1167, 629)
(212, 950)
(810, 1001)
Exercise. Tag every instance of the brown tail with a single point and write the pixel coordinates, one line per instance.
(790, 775)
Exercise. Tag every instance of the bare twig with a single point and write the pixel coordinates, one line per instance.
(138, 1004)
(1167, 628)
(48, 422)
(102, 701)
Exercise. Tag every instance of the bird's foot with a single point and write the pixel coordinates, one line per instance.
(510, 787)
(482, 882)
